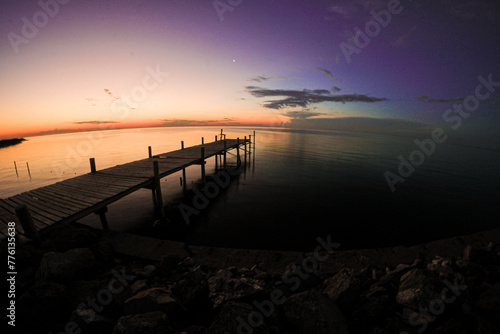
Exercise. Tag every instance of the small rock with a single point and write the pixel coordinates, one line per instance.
(151, 322)
(224, 289)
(156, 299)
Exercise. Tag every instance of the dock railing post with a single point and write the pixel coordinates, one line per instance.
(182, 145)
(24, 216)
(157, 185)
(92, 165)
(215, 137)
(150, 153)
(202, 140)
(202, 162)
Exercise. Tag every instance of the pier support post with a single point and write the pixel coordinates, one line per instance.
(150, 153)
(24, 216)
(92, 165)
(15, 166)
(157, 186)
(202, 140)
(202, 162)
(225, 148)
(182, 145)
(102, 217)
(184, 179)
(238, 159)
(153, 191)
(215, 137)
(245, 143)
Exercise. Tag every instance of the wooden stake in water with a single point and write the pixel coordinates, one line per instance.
(29, 173)
(150, 152)
(15, 166)
(182, 145)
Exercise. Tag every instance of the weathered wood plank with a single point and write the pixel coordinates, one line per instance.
(93, 188)
(61, 201)
(36, 207)
(57, 191)
(51, 203)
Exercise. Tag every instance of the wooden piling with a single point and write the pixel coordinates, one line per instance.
(215, 137)
(159, 197)
(202, 141)
(238, 159)
(15, 166)
(225, 148)
(92, 165)
(202, 165)
(150, 152)
(102, 217)
(245, 143)
(184, 179)
(182, 145)
(24, 216)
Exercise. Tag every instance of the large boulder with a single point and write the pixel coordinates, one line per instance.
(144, 323)
(313, 312)
(418, 288)
(62, 237)
(69, 265)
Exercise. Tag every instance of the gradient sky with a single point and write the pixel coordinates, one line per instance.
(264, 62)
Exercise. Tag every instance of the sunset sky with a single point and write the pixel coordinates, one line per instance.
(96, 63)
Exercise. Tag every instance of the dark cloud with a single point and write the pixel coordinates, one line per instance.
(262, 78)
(191, 122)
(306, 97)
(302, 114)
(326, 72)
(335, 89)
(474, 10)
(425, 98)
(95, 122)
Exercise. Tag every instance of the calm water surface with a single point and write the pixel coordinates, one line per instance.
(299, 185)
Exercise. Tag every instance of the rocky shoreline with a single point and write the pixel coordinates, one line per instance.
(80, 280)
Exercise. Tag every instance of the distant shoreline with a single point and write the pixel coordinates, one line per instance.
(10, 142)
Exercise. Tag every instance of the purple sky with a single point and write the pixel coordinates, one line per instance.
(265, 62)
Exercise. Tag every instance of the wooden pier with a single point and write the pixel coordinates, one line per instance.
(75, 198)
